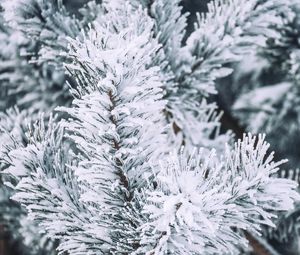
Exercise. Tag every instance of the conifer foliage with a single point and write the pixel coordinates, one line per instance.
(110, 142)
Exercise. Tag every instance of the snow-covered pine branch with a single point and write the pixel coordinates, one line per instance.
(173, 59)
(228, 31)
(222, 36)
(24, 84)
(47, 24)
(33, 88)
(118, 130)
(48, 189)
(201, 203)
(286, 232)
(24, 232)
(118, 118)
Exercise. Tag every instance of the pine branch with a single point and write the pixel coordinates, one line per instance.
(115, 117)
(49, 190)
(24, 233)
(47, 23)
(199, 203)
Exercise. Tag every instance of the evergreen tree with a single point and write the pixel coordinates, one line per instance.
(123, 153)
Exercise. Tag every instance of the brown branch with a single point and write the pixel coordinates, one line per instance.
(260, 248)
(4, 249)
(117, 146)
